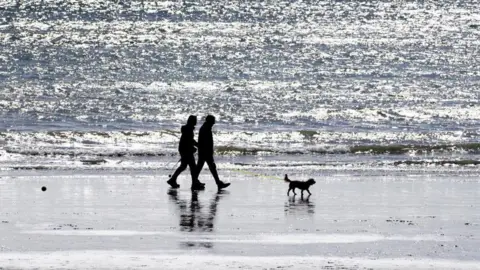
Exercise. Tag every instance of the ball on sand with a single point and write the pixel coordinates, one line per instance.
(44, 188)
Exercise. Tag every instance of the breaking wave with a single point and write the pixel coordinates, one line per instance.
(153, 150)
(231, 143)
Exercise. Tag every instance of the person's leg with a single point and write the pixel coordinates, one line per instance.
(213, 169)
(200, 163)
(173, 180)
(193, 169)
(183, 166)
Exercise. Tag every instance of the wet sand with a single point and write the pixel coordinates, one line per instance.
(132, 220)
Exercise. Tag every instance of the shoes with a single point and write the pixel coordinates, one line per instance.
(198, 186)
(222, 185)
(173, 183)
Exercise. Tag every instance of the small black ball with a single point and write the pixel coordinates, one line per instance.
(44, 188)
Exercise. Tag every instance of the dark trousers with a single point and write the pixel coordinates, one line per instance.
(186, 160)
(211, 165)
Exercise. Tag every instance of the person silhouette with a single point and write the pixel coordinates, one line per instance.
(187, 149)
(192, 218)
(206, 150)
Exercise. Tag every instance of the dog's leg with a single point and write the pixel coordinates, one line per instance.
(309, 192)
(294, 191)
(288, 192)
(302, 193)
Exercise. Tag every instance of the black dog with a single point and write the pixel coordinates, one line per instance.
(299, 184)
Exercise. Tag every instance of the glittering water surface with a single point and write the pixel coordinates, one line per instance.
(119, 77)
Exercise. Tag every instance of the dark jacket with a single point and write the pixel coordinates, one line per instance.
(205, 141)
(187, 141)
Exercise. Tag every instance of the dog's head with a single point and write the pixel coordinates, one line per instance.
(311, 181)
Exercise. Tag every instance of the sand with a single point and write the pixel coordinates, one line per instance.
(132, 220)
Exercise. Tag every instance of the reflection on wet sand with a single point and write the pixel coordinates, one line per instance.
(193, 218)
(300, 205)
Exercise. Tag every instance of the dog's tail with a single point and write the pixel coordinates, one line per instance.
(286, 178)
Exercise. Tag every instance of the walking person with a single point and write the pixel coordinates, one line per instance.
(187, 150)
(206, 150)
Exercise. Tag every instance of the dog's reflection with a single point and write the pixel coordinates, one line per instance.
(193, 216)
(300, 205)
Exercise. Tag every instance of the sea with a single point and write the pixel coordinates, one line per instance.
(334, 85)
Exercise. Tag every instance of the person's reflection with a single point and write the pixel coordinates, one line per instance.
(192, 216)
(299, 205)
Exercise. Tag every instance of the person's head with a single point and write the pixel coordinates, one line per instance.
(210, 120)
(192, 120)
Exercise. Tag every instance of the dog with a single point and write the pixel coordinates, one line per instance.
(302, 185)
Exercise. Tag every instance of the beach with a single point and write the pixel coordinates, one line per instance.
(378, 101)
(133, 220)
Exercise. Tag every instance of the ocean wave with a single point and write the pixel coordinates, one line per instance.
(234, 143)
(466, 162)
(404, 149)
(253, 168)
(472, 148)
(361, 163)
(395, 149)
(74, 153)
